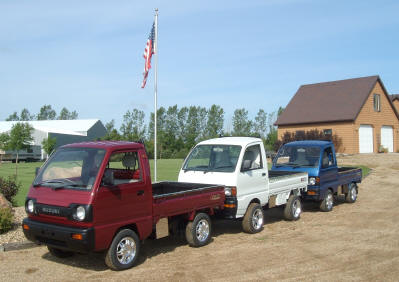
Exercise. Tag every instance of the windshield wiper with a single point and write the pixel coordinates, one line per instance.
(62, 183)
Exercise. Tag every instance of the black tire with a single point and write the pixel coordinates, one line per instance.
(328, 202)
(351, 196)
(128, 244)
(198, 231)
(253, 219)
(293, 208)
(59, 253)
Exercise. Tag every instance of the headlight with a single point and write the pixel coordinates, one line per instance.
(312, 181)
(80, 213)
(30, 206)
(230, 191)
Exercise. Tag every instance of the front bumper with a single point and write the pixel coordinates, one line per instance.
(312, 194)
(59, 236)
(230, 207)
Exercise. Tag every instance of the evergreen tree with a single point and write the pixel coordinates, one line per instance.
(242, 126)
(13, 117)
(133, 127)
(46, 113)
(214, 125)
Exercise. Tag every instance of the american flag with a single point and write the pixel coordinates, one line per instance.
(148, 51)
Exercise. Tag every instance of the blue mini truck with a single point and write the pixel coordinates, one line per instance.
(326, 179)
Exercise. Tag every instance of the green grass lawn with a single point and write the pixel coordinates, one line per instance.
(167, 170)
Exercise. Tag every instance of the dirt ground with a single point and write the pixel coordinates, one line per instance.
(357, 241)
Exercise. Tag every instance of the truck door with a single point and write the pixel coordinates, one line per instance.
(252, 178)
(328, 170)
(129, 199)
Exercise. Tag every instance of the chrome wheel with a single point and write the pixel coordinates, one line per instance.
(257, 219)
(353, 193)
(202, 230)
(126, 250)
(329, 201)
(296, 208)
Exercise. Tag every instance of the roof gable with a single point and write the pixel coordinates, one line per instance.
(333, 101)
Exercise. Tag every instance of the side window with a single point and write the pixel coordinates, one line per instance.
(125, 166)
(377, 104)
(328, 158)
(252, 158)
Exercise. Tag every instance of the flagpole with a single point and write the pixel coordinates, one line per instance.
(155, 94)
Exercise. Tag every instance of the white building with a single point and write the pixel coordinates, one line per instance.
(65, 131)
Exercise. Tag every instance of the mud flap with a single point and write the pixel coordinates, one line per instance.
(162, 228)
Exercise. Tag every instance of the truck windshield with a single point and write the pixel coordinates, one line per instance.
(297, 156)
(218, 158)
(71, 168)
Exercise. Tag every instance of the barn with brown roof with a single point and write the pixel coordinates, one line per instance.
(358, 110)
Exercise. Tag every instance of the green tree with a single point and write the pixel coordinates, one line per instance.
(49, 145)
(280, 111)
(4, 139)
(192, 127)
(25, 115)
(242, 126)
(20, 138)
(170, 138)
(133, 127)
(13, 117)
(260, 124)
(214, 124)
(46, 113)
(202, 120)
(272, 137)
(65, 114)
(112, 132)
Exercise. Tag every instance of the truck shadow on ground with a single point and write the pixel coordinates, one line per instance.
(91, 261)
(95, 261)
(310, 206)
(152, 248)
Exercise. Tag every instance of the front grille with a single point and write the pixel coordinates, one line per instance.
(52, 210)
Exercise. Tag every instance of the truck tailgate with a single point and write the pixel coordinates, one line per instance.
(348, 175)
(179, 198)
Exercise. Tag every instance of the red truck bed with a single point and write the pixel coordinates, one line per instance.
(174, 198)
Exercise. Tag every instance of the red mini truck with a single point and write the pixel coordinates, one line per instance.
(98, 196)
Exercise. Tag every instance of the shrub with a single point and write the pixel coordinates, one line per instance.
(313, 134)
(9, 187)
(6, 219)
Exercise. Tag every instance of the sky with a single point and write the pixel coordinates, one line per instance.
(88, 55)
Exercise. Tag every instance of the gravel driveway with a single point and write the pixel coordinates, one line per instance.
(353, 242)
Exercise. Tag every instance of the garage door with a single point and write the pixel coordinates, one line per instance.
(365, 138)
(387, 137)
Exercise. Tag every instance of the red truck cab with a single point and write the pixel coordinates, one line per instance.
(98, 196)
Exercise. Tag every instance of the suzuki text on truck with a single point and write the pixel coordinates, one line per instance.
(98, 196)
(240, 164)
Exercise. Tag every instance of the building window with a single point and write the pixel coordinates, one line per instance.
(377, 104)
(327, 132)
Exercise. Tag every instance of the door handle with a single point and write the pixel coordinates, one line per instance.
(264, 174)
(140, 193)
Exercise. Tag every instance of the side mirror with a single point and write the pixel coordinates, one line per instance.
(108, 178)
(37, 171)
(246, 165)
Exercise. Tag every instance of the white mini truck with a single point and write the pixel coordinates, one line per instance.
(240, 164)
